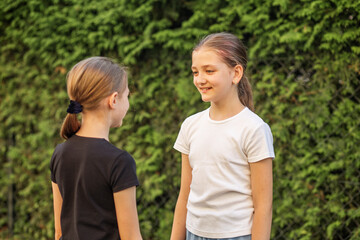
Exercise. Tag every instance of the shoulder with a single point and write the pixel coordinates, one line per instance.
(117, 155)
(195, 118)
(252, 125)
(123, 171)
(59, 149)
(252, 121)
(56, 158)
(95, 147)
(125, 156)
(252, 117)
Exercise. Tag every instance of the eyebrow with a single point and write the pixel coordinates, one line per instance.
(205, 66)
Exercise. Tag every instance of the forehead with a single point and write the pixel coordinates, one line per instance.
(205, 56)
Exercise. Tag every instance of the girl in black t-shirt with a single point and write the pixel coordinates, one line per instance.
(94, 183)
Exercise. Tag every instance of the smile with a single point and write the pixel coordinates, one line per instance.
(204, 90)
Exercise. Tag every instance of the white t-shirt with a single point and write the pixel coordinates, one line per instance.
(220, 201)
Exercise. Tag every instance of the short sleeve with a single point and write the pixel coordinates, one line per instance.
(259, 144)
(53, 166)
(181, 143)
(123, 173)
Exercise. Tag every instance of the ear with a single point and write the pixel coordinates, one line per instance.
(238, 73)
(113, 100)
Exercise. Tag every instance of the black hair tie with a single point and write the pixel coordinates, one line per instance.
(74, 107)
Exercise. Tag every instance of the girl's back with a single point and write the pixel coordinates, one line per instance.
(88, 171)
(94, 183)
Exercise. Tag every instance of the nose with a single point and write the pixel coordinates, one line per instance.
(199, 79)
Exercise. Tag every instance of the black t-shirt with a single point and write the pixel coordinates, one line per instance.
(88, 171)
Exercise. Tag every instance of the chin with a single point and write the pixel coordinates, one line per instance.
(205, 99)
(117, 125)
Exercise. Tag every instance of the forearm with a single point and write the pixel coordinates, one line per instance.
(261, 227)
(133, 235)
(179, 224)
(130, 230)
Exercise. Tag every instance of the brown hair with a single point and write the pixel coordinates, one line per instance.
(233, 52)
(88, 82)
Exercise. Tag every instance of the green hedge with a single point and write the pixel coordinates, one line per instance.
(304, 66)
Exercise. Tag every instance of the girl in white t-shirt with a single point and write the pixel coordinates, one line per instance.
(227, 151)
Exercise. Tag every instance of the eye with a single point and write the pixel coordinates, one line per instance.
(210, 71)
(195, 73)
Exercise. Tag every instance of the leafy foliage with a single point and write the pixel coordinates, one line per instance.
(303, 63)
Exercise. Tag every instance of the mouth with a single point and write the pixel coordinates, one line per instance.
(204, 90)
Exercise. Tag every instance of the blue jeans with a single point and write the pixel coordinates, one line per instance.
(191, 236)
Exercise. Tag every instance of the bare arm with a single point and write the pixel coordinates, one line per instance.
(179, 224)
(262, 190)
(126, 214)
(57, 209)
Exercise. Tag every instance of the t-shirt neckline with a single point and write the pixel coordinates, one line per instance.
(91, 138)
(225, 120)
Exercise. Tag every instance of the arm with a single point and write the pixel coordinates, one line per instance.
(262, 191)
(179, 224)
(57, 209)
(126, 214)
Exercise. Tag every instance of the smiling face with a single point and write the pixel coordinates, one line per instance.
(215, 80)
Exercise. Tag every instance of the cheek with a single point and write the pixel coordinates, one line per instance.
(126, 107)
(194, 81)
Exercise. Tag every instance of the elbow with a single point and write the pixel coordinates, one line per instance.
(58, 234)
(263, 210)
(265, 207)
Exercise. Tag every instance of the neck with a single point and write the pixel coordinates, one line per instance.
(227, 108)
(94, 124)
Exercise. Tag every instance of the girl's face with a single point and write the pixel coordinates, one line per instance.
(122, 107)
(212, 77)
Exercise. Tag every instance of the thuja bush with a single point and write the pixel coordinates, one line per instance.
(303, 64)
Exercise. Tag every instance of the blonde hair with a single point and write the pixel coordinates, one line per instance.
(89, 82)
(233, 52)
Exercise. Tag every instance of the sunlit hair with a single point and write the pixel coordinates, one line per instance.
(89, 82)
(233, 52)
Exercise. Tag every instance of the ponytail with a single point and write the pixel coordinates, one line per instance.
(245, 93)
(70, 126)
(88, 83)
